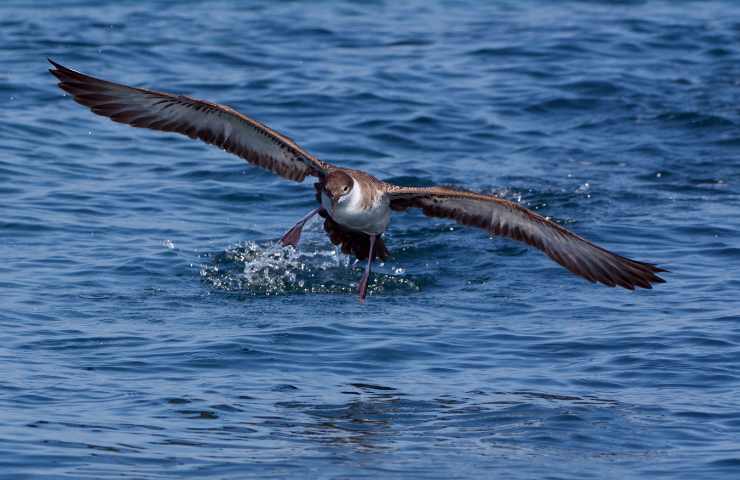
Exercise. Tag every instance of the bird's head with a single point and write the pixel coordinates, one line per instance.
(338, 185)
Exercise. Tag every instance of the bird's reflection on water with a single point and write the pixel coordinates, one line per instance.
(366, 421)
(382, 418)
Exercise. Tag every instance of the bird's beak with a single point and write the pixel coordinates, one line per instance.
(332, 198)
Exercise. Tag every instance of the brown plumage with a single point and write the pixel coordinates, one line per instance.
(356, 206)
(212, 123)
(353, 243)
(505, 218)
(350, 242)
(336, 183)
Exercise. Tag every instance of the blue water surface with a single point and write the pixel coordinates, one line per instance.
(151, 328)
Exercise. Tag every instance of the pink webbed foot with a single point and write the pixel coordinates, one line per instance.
(293, 236)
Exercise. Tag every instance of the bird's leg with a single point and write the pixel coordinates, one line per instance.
(362, 286)
(294, 234)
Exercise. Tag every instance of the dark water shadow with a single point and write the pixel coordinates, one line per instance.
(377, 418)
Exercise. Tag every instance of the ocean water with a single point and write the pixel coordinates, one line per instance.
(151, 328)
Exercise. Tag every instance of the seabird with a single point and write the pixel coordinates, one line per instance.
(356, 206)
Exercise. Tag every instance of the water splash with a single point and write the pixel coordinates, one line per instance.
(270, 269)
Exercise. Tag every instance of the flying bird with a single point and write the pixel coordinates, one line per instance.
(355, 205)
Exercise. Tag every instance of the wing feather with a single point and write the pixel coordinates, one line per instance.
(505, 218)
(212, 123)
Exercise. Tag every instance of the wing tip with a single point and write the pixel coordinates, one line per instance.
(58, 67)
(625, 273)
(61, 72)
(644, 276)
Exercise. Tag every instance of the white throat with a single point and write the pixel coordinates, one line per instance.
(350, 213)
(353, 200)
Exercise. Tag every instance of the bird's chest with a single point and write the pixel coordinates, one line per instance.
(359, 213)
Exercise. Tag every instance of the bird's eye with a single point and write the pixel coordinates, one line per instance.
(345, 189)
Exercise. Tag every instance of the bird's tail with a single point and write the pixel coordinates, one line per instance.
(351, 242)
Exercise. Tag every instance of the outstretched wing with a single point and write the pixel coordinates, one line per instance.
(502, 217)
(213, 123)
